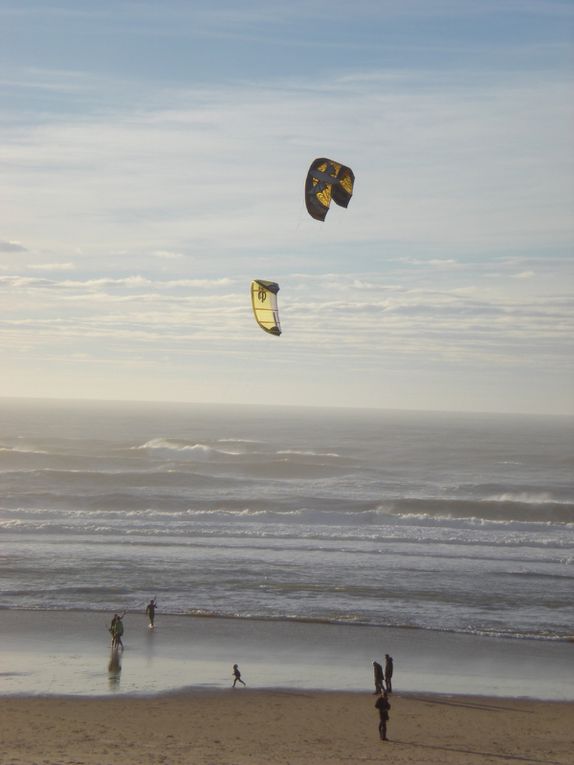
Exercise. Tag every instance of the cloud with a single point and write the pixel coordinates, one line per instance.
(137, 282)
(438, 162)
(439, 263)
(167, 255)
(7, 246)
(361, 318)
(51, 266)
(23, 281)
(167, 200)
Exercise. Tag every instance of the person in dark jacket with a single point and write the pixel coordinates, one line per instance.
(389, 673)
(378, 670)
(382, 704)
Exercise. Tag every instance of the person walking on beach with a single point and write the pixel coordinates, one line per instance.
(117, 630)
(382, 704)
(389, 673)
(237, 676)
(378, 670)
(150, 611)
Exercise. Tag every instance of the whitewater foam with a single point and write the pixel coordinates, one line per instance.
(371, 519)
(195, 450)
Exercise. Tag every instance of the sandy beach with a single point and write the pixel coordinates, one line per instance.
(168, 699)
(263, 727)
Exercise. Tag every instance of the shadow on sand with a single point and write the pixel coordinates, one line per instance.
(485, 706)
(492, 755)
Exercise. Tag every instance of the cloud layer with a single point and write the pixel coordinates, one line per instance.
(137, 209)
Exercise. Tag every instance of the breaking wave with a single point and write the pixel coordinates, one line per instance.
(197, 451)
(307, 453)
(498, 510)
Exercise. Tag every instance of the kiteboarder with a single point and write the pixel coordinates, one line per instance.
(389, 673)
(378, 670)
(237, 676)
(382, 704)
(150, 611)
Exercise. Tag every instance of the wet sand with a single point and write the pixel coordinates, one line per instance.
(68, 653)
(264, 727)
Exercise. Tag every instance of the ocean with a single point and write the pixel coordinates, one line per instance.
(457, 523)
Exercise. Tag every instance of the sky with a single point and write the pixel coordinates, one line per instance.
(152, 163)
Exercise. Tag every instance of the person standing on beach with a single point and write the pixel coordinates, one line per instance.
(150, 611)
(112, 631)
(378, 670)
(120, 629)
(117, 630)
(382, 704)
(237, 676)
(389, 673)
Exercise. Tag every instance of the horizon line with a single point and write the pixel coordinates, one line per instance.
(337, 407)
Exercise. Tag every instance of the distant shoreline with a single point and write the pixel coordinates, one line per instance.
(299, 620)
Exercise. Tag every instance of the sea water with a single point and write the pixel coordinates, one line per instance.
(429, 521)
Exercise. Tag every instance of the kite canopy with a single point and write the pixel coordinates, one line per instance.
(264, 302)
(327, 180)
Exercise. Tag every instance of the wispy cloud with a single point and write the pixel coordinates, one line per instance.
(441, 166)
(128, 282)
(354, 317)
(7, 246)
(145, 199)
(167, 254)
(68, 266)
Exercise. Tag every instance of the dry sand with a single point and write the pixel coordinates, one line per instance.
(265, 727)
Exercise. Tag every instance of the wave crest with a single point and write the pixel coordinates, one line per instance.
(197, 451)
(307, 453)
(502, 511)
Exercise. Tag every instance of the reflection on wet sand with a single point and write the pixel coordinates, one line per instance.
(149, 648)
(114, 668)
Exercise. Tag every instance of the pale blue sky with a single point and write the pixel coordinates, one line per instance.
(153, 158)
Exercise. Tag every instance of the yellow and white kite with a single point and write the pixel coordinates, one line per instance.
(264, 302)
